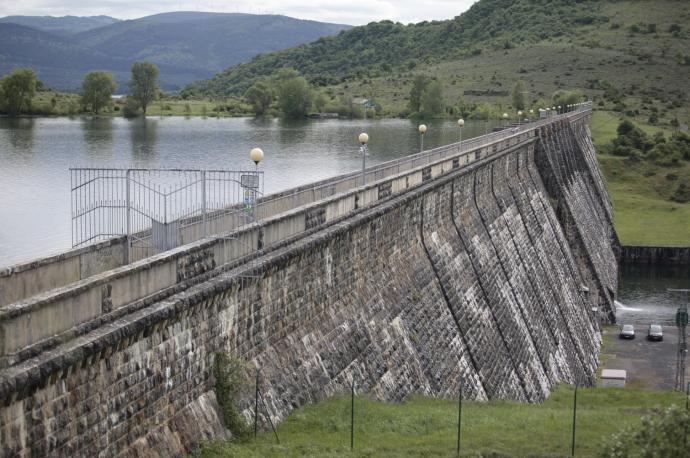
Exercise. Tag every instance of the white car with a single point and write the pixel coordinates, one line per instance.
(628, 332)
(655, 332)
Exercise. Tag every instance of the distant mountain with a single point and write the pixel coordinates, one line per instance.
(65, 25)
(187, 46)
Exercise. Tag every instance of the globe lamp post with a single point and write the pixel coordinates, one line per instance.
(363, 150)
(422, 132)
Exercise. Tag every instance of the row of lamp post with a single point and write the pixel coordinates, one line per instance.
(364, 137)
(364, 140)
(257, 154)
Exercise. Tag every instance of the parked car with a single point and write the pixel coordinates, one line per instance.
(628, 332)
(655, 332)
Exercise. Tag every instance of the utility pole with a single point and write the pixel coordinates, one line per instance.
(681, 324)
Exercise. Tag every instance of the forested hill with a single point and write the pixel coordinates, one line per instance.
(385, 44)
(550, 44)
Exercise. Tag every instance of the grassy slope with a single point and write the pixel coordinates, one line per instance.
(423, 426)
(644, 67)
(637, 64)
(643, 213)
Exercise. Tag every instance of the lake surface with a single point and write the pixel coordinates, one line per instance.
(642, 294)
(36, 153)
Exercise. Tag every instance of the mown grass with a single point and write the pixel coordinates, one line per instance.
(641, 191)
(423, 426)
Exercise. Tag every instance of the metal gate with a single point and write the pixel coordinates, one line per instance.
(159, 209)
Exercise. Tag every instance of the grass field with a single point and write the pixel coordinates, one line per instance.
(643, 212)
(60, 103)
(423, 426)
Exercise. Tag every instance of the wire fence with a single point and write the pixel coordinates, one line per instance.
(360, 423)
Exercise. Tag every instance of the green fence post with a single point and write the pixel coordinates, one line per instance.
(459, 416)
(352, 416)
(572, 451)
(256, 405)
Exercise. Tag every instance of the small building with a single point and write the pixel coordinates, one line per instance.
(613, 377)
(366, 103)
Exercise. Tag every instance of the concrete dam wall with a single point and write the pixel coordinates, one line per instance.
(491, 274)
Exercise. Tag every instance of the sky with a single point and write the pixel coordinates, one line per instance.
(354, 12)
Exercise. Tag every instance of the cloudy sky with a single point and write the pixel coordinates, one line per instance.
(354, 12)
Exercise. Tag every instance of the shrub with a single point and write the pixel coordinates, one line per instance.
(131, 108)
(231, 376)
(682, 193)
(660, 434)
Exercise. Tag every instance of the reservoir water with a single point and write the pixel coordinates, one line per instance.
(643, 298)
(36, 153)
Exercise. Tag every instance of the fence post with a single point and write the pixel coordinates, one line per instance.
(268, 415)
(256, 405)
(572, 451)
(687, 408)
(203, 201)
(459, 416)
(352, 415)
(129, 222)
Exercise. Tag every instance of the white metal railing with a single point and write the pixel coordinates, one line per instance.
(325, 188)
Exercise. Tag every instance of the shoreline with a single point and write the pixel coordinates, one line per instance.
(641, 254)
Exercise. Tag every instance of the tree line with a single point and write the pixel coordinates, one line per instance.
(18, 88)
(293, 97)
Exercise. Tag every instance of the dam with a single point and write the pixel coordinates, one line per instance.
(488, 264)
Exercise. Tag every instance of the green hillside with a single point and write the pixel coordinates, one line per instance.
(632, 56)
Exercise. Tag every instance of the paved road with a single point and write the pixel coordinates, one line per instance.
(649, 364)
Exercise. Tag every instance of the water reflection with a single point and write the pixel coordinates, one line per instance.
(643, 296)
(98, 135)
(293, 132)
(144, 139)
(19, 133)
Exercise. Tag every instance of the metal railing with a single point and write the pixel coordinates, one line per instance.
(326, 188)
(115, 202)
(159, 209)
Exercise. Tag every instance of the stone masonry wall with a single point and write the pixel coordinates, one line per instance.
(582, 208)
(469, 278)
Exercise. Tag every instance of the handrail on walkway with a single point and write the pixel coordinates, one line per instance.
(326, 187)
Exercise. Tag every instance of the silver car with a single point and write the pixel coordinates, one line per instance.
(628, 332)
(655, 332)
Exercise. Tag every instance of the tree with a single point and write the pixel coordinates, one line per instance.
(97, 89)
(294, 94)
(320, 101)
(564, 98)
(432, 99)
(260, 97)
(17, 89)
(518, 96)
(143, 86)
(418, 86)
